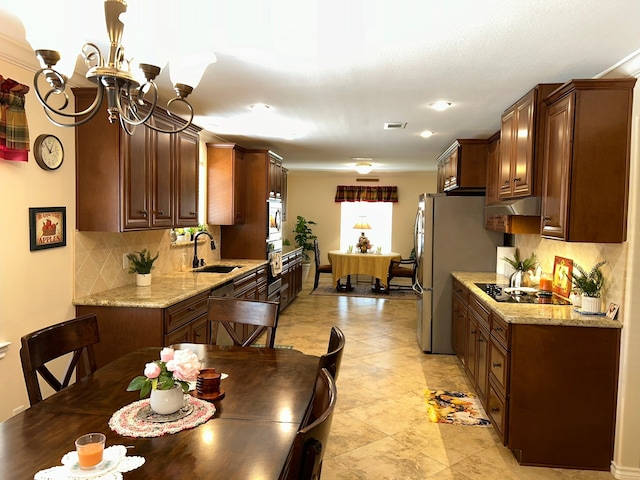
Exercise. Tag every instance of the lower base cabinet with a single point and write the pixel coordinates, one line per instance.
(550, 391)
(291, 277)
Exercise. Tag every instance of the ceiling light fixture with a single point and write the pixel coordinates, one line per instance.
(426, 134)
(364, 167)
(440, 105)
(125, 94)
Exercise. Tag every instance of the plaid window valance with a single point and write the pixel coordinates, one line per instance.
(357, 193)
(14, 130)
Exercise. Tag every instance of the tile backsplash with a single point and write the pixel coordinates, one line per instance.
(586, 255)
(98, 256)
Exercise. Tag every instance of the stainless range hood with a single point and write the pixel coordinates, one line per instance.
(523, 206)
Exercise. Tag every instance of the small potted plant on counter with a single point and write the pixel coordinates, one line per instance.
(141, 264)
(590, 285)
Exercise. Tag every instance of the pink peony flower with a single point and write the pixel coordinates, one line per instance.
(166, 354)
(152, 370)
(185, 365)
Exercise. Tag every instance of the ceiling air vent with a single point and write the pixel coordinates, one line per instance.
(395, 125)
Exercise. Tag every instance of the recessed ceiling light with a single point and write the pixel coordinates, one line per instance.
(440, 105)
(426, 134)
(260, 108)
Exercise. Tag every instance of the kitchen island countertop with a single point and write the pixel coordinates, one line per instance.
(167, 290)
(564, 315)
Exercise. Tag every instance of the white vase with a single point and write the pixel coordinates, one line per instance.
(143, 279)
(165, 402)
(591, 304)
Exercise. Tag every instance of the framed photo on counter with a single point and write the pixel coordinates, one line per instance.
(612, 311)
(47, 227)
(562, 271)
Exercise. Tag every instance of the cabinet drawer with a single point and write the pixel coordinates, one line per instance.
(183, 312)
(500, 330)
(244, 284)
(481, 312)
(498, 366)
(460, 290)
(497, 411)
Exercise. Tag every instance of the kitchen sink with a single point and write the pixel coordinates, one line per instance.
(217, 268)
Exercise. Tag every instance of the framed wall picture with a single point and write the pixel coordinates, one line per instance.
(562, 270)
(47, 227)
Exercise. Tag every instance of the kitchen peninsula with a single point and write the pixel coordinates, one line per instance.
(546, 375)
(172, 310)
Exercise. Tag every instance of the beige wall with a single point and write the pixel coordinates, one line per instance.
(312, 194)
(36, 288)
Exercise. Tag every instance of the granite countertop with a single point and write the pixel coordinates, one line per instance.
(528, 313)
(167, 290)
(286, 249)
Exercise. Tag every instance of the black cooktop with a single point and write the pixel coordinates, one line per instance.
(498, 293)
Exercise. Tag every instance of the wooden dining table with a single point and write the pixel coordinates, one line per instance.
(376, 265)
(268, 394)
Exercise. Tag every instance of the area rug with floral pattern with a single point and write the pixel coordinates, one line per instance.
(455, 408)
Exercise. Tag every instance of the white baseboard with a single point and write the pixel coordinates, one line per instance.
(624, 473)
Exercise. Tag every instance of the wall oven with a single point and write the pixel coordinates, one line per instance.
(274, 227)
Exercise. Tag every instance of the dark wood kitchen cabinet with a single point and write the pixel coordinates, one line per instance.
(248, 240)
(147, 180)
(291, 277)
(459, 320)
(124, 329)
(521, 144)
(586, 161)
(225, 184)
(463, 167)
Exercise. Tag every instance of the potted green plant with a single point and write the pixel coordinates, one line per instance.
(522, 267)
(304, 236)
(141, 264)
(590, 284)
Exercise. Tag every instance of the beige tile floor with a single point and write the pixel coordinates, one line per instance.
(380, 429)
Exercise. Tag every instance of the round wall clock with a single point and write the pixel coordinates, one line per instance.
(48, 151)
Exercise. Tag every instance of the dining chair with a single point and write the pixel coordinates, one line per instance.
(310, 443)
(319, 268)
(332, 359)
(77, 336)
(244, 320)
(396, 269)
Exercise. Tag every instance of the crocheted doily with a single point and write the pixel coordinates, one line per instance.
(128, 423)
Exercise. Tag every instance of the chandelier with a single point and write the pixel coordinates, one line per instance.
(129, 101)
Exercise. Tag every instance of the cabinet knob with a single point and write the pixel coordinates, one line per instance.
(144, 213)
(161, 212)
(506, 182)
(498, 329)
(496, 364)
(495, 410)
(546, 219)
(473, 332)
(516, 180)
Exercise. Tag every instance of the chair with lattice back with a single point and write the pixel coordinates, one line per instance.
(244, 320)
(310, 444)
(76, 337)
(333, 358)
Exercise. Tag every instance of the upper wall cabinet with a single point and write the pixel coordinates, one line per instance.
(522, 126)
(463, 167)
(147, 180)
(225, 184)
(586, 161)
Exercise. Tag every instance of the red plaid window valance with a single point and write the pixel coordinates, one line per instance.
(14, 130)
(357, 193)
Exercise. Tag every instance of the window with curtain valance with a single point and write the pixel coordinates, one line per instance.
(14, 131)
(358, 193)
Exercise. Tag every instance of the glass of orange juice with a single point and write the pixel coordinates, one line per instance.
(545, 282)
(90, 448)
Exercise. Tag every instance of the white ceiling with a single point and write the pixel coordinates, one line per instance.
(334, 71)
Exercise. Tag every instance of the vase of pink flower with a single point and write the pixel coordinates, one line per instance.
(167, 380)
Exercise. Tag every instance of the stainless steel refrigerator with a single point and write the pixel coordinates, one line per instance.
(449, 236)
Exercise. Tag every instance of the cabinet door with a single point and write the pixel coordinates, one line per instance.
(163, 176)
(471, 342)
(522, 164)
(482, 363)
(181, 335)
(136, 175)
(187, 179)
(507, 135)
(557, 165)
(200, 331)
(493, 171)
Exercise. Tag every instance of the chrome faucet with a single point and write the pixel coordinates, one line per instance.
(196, 262)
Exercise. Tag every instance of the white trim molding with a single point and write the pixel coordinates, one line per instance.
(624, 473)
(4, 346)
